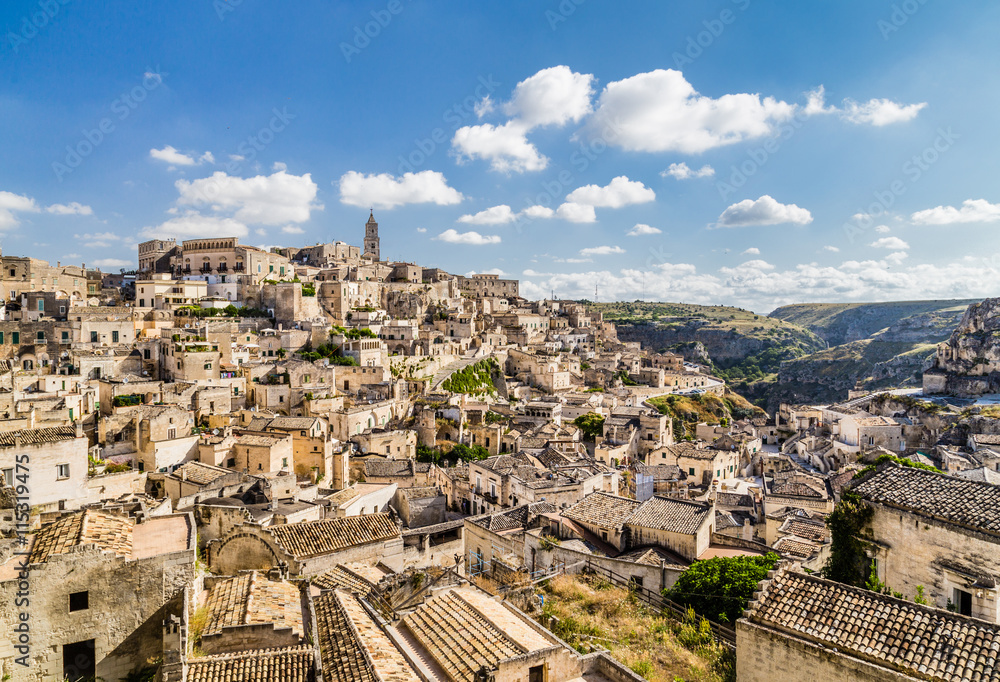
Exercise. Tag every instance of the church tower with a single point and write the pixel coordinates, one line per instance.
(371, 238)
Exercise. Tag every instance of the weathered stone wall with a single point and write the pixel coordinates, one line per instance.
(765, 655)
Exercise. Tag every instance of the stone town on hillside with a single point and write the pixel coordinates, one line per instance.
(314, 464)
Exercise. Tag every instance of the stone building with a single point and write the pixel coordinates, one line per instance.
(800, 626)
(99, 588)
(939, 532)
(50, 462)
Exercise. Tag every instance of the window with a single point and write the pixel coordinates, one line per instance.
(145, 354)
(284, 462)
(1, 337)
(40, 336)
(8, 476)
(231, 462)
(690, 471)
(62, 310)
(171, 433)
(963, 602)
(62, 471)
(41, 305)
(114, 337)
(79, 601)
(65, 337)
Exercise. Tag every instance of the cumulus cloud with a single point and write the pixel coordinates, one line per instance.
(175, 158)
(834, 249)
(72, 208)
(552, 97)
(387, 191)
(882, 229)
(264, 199)
(505, 146)
(192, 224)
(640, 229)
(538, 212)
(577, 213)
(112, 263)
(894, 243)
(876, 112)
(681, 171)
(752, 251)
(10, 205)
(421, 230)
(495, 215)
(760, 286)
(472, 238)
(660, 111)
(763, 211)
(971, 211)
(98, 240)
(880, 112)
(618, 193)
(601, 251)
(292, 229)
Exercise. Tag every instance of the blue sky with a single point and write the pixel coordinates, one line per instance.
(735, 151)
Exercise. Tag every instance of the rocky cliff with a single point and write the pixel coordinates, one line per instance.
(968, 363)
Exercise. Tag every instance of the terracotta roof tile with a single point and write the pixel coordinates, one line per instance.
(89, 527)
(293, 664)
(312, 538)
(675, 516)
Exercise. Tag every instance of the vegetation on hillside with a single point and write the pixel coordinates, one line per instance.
(331, 352)
(720, 588)
(229, 311)
(475, 379)
(848, 562)
(459, 452)
(593, 613)
(690, 409)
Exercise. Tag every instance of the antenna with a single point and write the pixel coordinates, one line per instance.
(595, 293)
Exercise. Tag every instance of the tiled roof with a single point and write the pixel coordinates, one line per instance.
(691, 450)
(341, 655)
(986, 438)
(921, 641)
(90, 527)
(602, 510)
(984, 474)
(312, 538)
(199, 473)
(388, 467)
(52, 434)
(674, 516)
(293, 423)
(972, 504)
(294, 664)
(252, 599)
(341, 577)
(813, 530)
(797, 484)
(511, 519)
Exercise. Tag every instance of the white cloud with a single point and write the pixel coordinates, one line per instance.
(10, 204)
(554, 96)
(880, 112)
(972, 211)
(876, 112)
(505, 146)
(601, 251)
(98, 240)
(882, 229)
(483, 107)
(112, 263)
(752, 251)
(264, 199)
(538, 211)
(175, 158)
(192, 224)
(572, 260)
(292, 229)
(421, 230)
(472, 238)
(640, 229)
(763, 211)
(279, 166)
(618, 193)
(577, 213)
(894, 243)
(681, 171)
(72, 208)
(387, 191)
(496, 215)
(834, 249)
(660, 111)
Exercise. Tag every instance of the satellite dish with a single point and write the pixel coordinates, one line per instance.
(215, 432)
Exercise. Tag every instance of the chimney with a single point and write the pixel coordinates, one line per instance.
(79, 429)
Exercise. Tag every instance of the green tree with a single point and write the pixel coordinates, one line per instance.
(721, 588)
(848, 562)
(592, 425)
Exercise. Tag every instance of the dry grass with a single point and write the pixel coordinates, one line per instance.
(592, 612)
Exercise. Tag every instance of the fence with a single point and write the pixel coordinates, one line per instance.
(720, 633)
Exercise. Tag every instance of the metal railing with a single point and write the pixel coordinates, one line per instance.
(720, 633)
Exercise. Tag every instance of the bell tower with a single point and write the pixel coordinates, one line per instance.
(371, 238)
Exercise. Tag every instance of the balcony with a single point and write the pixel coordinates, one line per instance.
(205, 269)
(238, 267)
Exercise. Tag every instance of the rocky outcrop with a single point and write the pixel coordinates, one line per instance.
(725, 346)
(968, 363)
